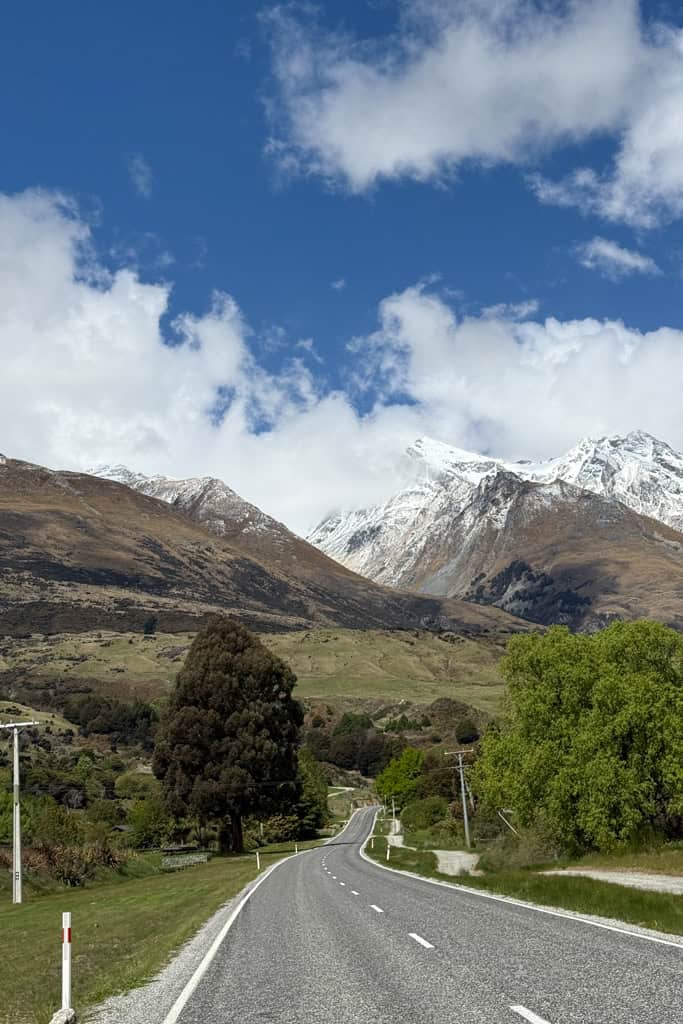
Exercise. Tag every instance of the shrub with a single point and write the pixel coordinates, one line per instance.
(424, 813)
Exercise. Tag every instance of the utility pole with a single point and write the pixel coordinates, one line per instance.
(463, 794)
(16, 820)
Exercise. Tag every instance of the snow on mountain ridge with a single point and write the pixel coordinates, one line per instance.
(210, 499)
(386, 541)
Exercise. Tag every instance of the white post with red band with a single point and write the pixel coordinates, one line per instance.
(66, 961)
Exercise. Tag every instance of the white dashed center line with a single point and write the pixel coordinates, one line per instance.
(376, 908)
(342, 883)
(335, 877)
(354, 893)
(529, 1015)
(423, 942)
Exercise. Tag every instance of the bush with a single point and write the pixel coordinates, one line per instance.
(149, 824)
(466, 731)
(281, 828)
(422, 814)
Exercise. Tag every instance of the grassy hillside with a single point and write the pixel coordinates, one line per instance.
(414, 666)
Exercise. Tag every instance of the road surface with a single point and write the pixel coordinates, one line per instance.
(330, 937)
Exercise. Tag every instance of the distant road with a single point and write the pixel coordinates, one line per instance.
(329, 937)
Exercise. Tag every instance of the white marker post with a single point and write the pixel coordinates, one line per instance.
(296, 847)
(258, 861)
(66, 961)
(388, 849)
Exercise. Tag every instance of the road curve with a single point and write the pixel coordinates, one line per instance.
(330, 937)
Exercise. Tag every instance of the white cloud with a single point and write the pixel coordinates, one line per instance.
(141, 175)
(339, 284)
(614, 261)
(510, 310)
(493, 81)
(88, 378)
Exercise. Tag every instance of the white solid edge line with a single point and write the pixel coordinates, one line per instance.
(376, 908)
(423, 942)
(192, 984)
(518, 903)
(529, 1015)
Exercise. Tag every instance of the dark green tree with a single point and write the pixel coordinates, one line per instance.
(227, 746)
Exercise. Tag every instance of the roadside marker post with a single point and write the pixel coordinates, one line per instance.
(66, 961)
(372, 842)
(388, 849)
(296, 847)
(258, 861)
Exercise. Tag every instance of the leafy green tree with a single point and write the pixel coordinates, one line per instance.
(400, 778)
(149, 823)
(227, 746)
(591, 751)
(312, 809)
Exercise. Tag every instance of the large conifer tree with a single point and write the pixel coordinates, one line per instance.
(227, 746)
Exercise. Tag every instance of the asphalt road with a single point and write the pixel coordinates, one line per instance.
(329, 937)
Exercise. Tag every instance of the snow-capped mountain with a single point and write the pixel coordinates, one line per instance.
(638, 470)
(205, 498)
(420, 536)
(219, 509)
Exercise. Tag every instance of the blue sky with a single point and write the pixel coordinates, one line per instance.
(224, 147)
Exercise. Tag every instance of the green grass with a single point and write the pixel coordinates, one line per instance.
(660, 911)
(394, 665)
(123, 932)
(665, 860)
(385, 664)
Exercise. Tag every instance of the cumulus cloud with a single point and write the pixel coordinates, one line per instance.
(141, 175)
(88, 376)
(339, 285)
(493, 82)
(614, 261)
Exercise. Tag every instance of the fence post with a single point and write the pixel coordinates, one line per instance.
(66, 961)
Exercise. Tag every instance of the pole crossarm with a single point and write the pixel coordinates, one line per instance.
(17, 725)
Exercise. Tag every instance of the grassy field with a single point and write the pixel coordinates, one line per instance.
(123, 932)
(396, 665)
(11, 711)
(417, 667)
(660, 911)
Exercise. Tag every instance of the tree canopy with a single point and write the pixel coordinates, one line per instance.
(400, 779)
(591, 751)
(227, 746)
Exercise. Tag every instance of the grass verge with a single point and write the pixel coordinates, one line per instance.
(122, 934)
(660, 911)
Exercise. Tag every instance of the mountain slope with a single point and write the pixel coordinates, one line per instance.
(523, 537)
(78, 552)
